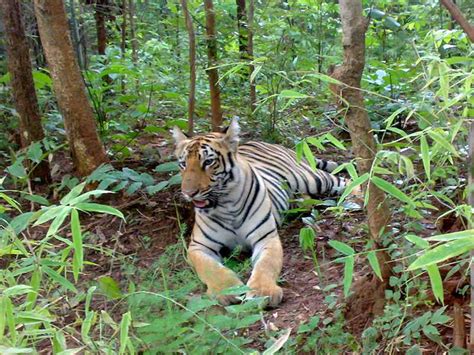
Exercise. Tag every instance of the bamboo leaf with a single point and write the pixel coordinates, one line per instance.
(452, 236)
(308, 154)
(436, 282)
(341, 247)
(419, 242)
(425, 156)
(357, 182)
(99, 208)
(348, 274)
(336, 142)
(124, 329)
(58, 221)
(391, 190)
(443, 252)
(374, 263)
(78, 260)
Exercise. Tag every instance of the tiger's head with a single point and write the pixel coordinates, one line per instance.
(207, 164)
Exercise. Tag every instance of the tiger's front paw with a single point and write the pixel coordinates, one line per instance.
(270, 290)
(224, 299)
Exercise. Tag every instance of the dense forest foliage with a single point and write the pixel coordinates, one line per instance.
(94, 230)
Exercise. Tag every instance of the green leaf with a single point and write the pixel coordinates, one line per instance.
(157, 188)
(17, 290)
(348, 274)
(443, 142)
(166, 167)
(78, 260)
(443, 252)
(110, 287)
(291, 94)
(391, 190)
(38, 199)
(99, 208)
(35, 152)
(87, 195)
(374, 263)
(376, 14)
(452, 236)
(419, 242)
(307, 236)
(341, 247)
(436, 282)
(175, 180)
(17, 169)
(124, 329)
(315, 142)
(58, 221)
(308, 154)
(59, 279)
(76, 191)
(353, 184)
(336, 142)
(425, 156)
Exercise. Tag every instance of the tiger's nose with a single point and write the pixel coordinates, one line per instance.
(190, 192)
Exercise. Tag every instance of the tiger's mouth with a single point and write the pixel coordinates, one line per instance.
(200, 203)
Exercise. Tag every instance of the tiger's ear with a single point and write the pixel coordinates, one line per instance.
(178, 135)
(231, 135)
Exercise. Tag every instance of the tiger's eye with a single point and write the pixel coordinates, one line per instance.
(207, 162)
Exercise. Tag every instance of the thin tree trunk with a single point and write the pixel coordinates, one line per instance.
(123, 41)
(86, 149)
(75, 34)
(19, 67)
(216, 113)
(37, 47)
(192, 66)
(368, 296)
(459, 18)
(253, 85)
(471, 202)
(83, 35)
(133, 39)
(100, 12)
(242, 28)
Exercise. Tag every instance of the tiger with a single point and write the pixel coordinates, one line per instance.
(239, 193)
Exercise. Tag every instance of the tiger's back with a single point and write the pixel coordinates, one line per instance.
(284, 175)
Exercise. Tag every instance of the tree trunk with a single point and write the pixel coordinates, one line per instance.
(459, 18)
(242, 28)
(368, 297)
(133, 39)
(19, 66)
(253, 85)
(100, 14)
(86, 149)
(192, 66)
(216, 113)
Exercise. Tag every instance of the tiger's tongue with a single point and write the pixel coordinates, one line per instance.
(200, 204)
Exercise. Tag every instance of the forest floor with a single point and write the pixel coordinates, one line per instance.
(154, 223)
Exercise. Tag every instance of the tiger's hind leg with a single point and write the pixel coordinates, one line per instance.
(215, 275)
(268, 260)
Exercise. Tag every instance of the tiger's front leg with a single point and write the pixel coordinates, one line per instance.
(215, 275)
(268, 260)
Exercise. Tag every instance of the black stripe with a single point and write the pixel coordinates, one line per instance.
(208, 237)
(205, 246)
(259, 224)
(263, 237)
